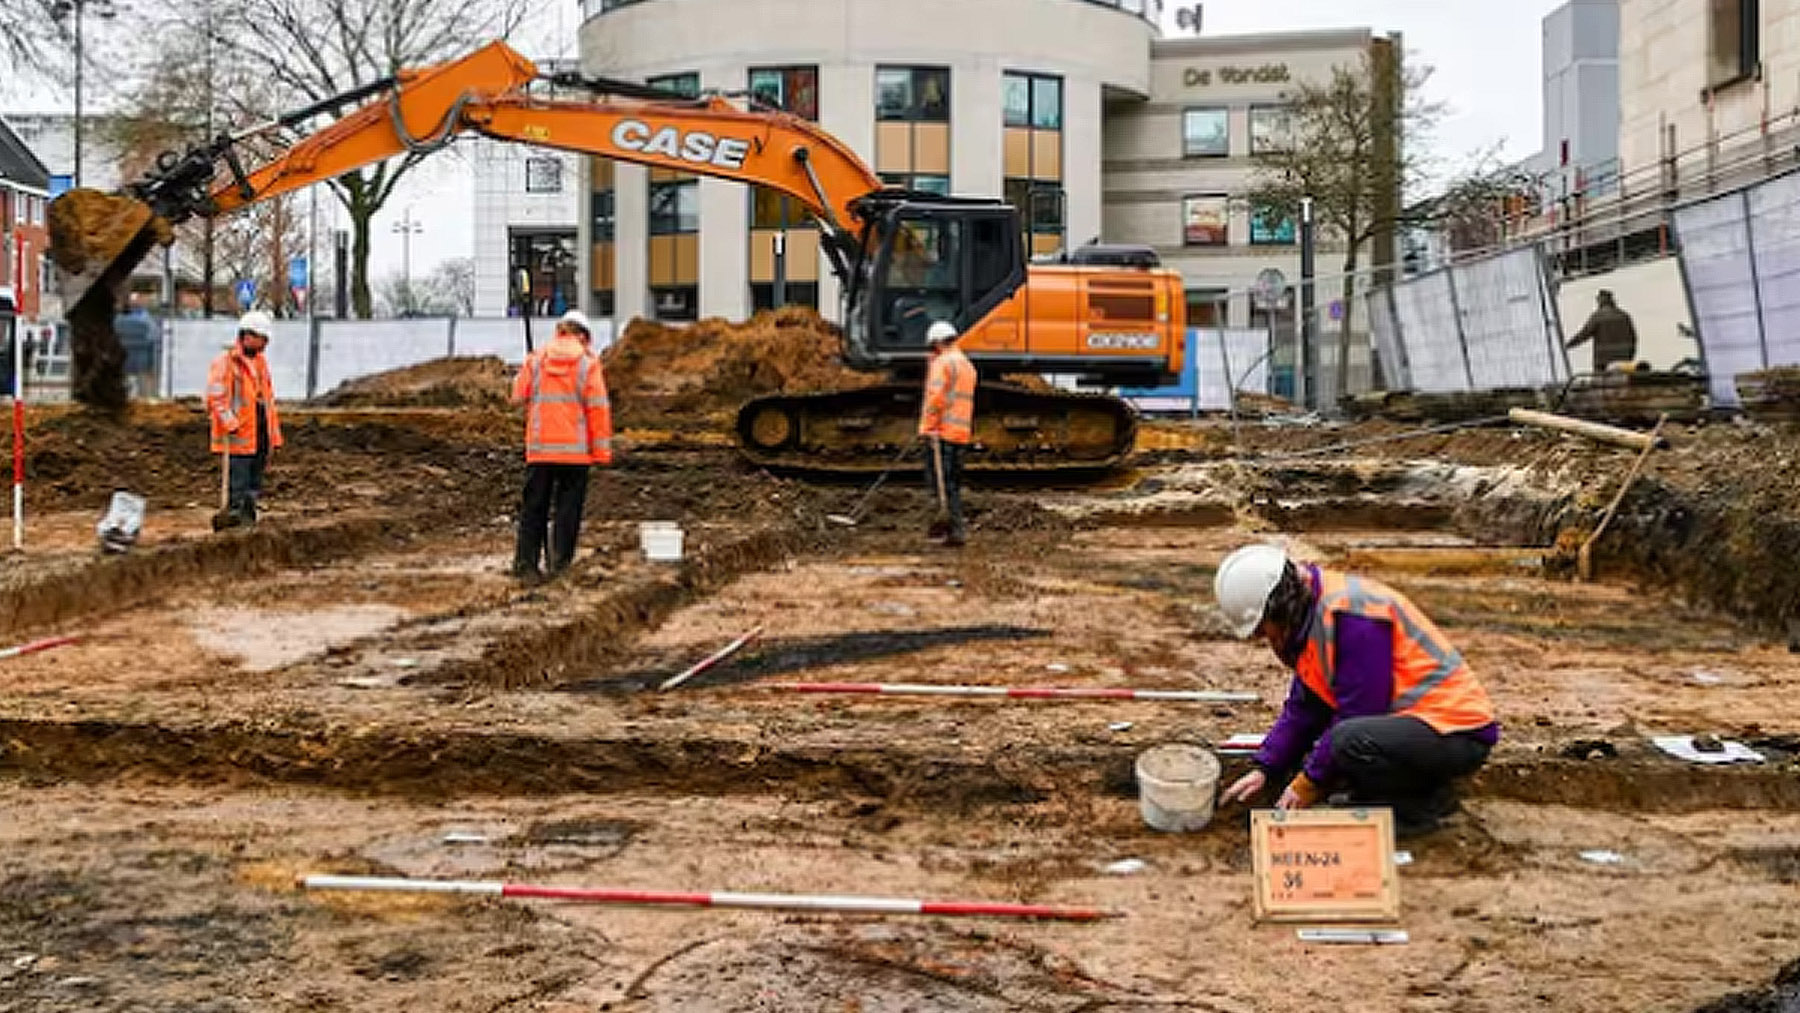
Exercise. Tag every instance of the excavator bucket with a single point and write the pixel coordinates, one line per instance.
(97, 240)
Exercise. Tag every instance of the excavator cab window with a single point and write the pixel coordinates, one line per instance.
(942, 262)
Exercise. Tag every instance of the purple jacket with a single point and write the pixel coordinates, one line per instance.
(1363, 683)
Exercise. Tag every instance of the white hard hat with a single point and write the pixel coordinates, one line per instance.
(576, 318)
(939, 332)
(1244, 583)
(256, 322)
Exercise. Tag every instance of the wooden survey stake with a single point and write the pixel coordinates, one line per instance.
(1324, 865)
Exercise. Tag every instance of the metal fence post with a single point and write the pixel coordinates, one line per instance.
(1462, 337)
(312, 357)
(1762, 332)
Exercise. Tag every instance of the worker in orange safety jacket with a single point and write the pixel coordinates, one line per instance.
(568, 428)
(1381, 706)
(947, 424)
(240, 398)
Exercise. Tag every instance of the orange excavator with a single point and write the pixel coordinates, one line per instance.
(904, 259)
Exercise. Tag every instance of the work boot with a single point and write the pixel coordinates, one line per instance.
(937, 529)
(527, 574)
(956, 539)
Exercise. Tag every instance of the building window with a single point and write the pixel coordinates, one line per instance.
(543, 175)
(676, 302)
(915, 94)
(789, 89)
(687, 85)
(918, 182)
(605, 218)
(1271, 129)
(799, 293)
(1206, 133)
(1033, 116)
(1268, 228)
(1735, 37)
(675, 207)
(1206, 220)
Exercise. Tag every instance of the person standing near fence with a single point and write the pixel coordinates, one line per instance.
(240, 397)
(1612, 332)
(568, 428)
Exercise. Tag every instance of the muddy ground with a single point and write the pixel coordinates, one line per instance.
(356, 687)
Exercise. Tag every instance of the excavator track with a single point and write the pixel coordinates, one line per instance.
(1017, 431)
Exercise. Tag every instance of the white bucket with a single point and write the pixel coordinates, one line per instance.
(1176, 787)
(661, 541)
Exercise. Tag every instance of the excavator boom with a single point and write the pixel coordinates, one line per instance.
(902, 259)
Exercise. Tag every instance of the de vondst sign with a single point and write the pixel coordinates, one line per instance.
(1268, 73)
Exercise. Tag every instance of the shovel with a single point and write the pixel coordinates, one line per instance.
(224, 518)
(941, 524)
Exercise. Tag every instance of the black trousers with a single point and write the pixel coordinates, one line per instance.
(952, 454)
(555, 495)
(245, 485)
(1403, 762)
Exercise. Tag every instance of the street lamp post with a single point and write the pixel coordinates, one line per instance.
(74, 9)
(407, 227)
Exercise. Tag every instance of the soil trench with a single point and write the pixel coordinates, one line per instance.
(360, 687)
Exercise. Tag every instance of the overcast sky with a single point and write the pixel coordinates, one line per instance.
(1486, 58)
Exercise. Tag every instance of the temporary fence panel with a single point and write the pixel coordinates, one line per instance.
(1385, 331)
(1504, 307)
(1721, 276)
(353, 348)
(1775, 251)
(503, 337)
(1211, 354)
(1425, 310)
(190, 346)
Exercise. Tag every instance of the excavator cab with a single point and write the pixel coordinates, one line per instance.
(926, 258)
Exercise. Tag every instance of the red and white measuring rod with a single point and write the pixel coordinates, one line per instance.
(767, 901)
(1018, 692)
(35, 646)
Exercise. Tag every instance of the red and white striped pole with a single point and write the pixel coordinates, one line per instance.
(765, 901)
(35, 646)
(18, 413)
(1017, 692)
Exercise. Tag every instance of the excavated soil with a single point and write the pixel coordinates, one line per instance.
(484, 382)
(379, 698)
(708, 369)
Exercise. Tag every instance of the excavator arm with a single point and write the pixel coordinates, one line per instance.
(486, 93)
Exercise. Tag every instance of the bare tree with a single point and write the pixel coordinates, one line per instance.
(450, 288)
(29, 35)
(312, 50)
(1355, 149)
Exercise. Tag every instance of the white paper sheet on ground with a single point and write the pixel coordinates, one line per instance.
(1682, 747)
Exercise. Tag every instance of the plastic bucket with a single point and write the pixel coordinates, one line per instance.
(1176, 787)
(661, 541)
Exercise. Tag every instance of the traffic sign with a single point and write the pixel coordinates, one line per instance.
(246, 292)
(297, 272)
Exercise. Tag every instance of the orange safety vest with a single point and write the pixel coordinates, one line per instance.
(568, 418)
(949, 411)
(1431, 680)
(234, 384)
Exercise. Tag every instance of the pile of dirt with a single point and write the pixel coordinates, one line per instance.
(99, 237)
(483, 382)
(711, 367)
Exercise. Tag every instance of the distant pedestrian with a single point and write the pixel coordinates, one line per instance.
(568, 428)
(240, 397)
(947, 423)
(1611, 331)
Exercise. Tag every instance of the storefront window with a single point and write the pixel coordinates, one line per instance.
(1206, 221)
(1269, 228)
(1206, 133)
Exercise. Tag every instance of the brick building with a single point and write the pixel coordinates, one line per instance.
(24, 238)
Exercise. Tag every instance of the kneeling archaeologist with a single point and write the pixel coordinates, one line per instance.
(1382, 707)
